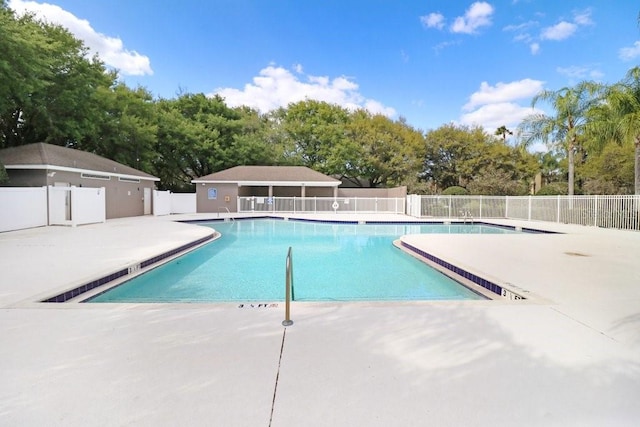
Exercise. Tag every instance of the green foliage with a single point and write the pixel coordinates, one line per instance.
(616, 120)
(610, 172)
(553, 189)
(198, 135)
(459, 155)
(384, 152)
(48, 87)
(496, 182)
(567, 127)
(4, 177)
(455, 191)
(503, 132)
(315, 133)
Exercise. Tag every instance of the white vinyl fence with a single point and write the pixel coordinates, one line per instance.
(622, 212)
(183, 203)
(322, 204)
(24, 207)
(167, 203)
(28, 207)
(76, 206)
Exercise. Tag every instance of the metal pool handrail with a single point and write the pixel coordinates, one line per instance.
(288, 290)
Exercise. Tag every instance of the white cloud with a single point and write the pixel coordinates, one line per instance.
(433, 20)
(492, 116)
(478, 15)
(576, 72)
(440, 46)
(520, 27)
(629, 53)
(110, 50)
(493, 106)
(276, 87)
(535, 48)
(583, 18)
(560, 31)
(503, 92)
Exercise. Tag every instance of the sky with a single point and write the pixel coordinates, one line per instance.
(430, 62)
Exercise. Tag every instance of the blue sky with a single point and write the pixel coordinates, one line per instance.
(431, 62)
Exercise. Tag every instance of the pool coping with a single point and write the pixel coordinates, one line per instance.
(476, 283)
(91, 289)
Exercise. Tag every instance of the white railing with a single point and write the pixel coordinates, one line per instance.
(322, 204)
(622, 212)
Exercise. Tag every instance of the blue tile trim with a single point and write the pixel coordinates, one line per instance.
(66, 296)
(487, 284)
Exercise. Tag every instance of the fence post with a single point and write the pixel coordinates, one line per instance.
(506, 206)
(595, 213)
(558, 215)
(529, 215)
(480, 216)
(74, 205)
(450, 206)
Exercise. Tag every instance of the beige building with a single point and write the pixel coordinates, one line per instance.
(128, 190)
(221, 191)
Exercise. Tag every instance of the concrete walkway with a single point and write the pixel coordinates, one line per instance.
(567, 356)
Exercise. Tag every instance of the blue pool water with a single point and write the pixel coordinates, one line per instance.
(331, 262)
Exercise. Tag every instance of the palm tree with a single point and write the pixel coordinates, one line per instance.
(617, 119)
(567, 126)
(503, 132)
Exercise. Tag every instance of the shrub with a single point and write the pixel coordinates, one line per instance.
(454, 191)
(553, 189)
(4, 177)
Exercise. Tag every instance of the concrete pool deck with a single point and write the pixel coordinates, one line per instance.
(567, 356)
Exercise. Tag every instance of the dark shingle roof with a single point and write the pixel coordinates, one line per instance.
(268, 174)
(41, 154)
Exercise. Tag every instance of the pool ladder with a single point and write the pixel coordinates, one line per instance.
(288, 289)
(466, 216)
(224, 208)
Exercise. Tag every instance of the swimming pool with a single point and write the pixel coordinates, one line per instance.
(332, 262)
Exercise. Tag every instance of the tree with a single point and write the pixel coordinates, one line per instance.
(198, 135)
(315, 131)
(566, 127)
(617, 119)
(503, 132)
(48, 85)
(126, 129)
(610, 171)
(496, 182)
(381, 151)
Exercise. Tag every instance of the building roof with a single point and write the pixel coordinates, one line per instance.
(270, 175)
(55, 157)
